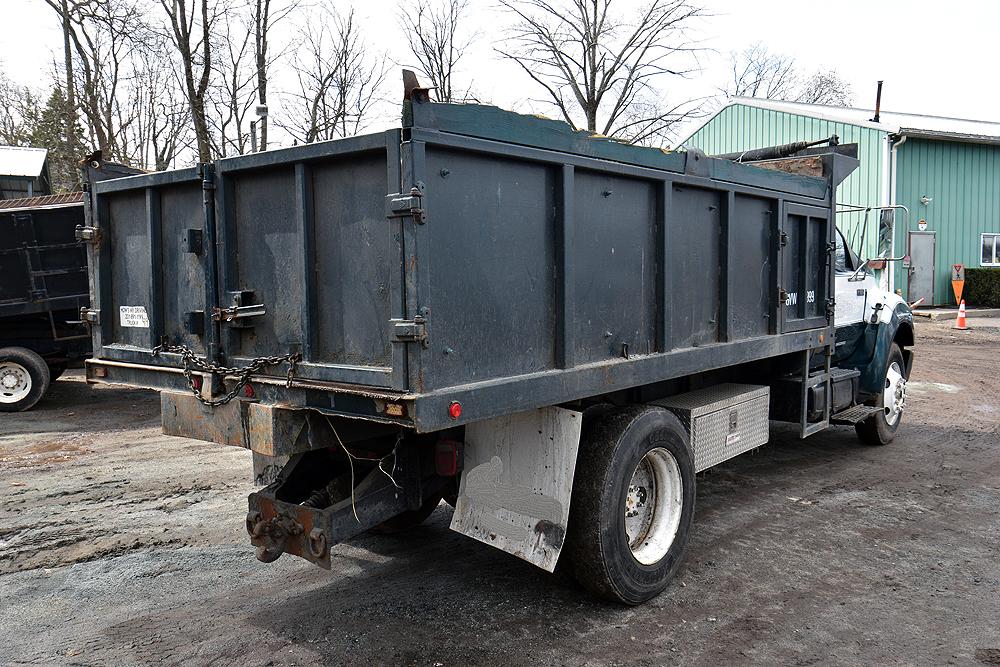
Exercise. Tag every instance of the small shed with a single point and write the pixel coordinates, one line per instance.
(944, 171)
(24, 172)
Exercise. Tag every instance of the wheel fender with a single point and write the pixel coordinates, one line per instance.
(879, 338)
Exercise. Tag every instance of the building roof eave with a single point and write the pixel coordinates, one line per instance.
(936, 135)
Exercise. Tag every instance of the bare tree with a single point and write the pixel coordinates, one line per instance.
(826, 87)
(231, 96)
(64, 13)
(339, 81)
(19, 112)
(162, 130)
(590, 60)
(756, 72)
(105, 34)
(190, 29)
(265, 15)
(432, 29)
(123, 80)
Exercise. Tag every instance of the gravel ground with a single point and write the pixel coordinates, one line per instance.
(121, 546)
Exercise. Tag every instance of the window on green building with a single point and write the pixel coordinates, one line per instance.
(991, 250)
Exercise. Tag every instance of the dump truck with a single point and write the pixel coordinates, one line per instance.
(552, 331)
(43, 286)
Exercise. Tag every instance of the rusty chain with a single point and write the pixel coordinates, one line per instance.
(193, 362)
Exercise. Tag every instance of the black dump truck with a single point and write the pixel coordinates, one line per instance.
(43, 286)
(552, 331)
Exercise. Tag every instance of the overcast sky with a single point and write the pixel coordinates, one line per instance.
(936, 58)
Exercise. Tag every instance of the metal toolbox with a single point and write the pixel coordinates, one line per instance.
(724, 420)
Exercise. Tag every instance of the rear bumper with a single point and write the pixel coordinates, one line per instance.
(268, 420)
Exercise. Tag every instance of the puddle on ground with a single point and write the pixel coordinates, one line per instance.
(932, 388)
(39, 454)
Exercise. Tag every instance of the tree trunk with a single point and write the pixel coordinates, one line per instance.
(262, 18)
(68, 55)
(201, 129)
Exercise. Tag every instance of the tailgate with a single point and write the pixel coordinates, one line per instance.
(260, 255)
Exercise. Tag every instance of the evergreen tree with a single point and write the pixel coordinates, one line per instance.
(65, 152)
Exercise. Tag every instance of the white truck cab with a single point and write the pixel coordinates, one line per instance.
(874, 332)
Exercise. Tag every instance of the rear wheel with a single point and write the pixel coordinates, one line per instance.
(24, 379)
(633, 503)
(880, 427)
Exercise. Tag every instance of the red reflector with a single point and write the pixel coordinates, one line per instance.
(248, 391)
(196, 382)
(446, 458)
(455, 409)
(100, 372)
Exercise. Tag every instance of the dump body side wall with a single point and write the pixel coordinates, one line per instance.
(546, 278)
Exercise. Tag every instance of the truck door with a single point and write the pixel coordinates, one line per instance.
(852, 310)
(804, 276)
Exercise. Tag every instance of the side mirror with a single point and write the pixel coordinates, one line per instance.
(859, 275)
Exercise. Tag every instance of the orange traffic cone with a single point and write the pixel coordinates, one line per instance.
(960, 320)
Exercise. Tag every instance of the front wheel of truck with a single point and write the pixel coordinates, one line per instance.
(880, 427)
(24, 379)
(632, 506)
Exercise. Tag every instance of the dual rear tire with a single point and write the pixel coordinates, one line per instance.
(633, 504)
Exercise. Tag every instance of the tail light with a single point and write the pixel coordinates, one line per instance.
(447, 457)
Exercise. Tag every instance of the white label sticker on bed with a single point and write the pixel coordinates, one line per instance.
(134, 316)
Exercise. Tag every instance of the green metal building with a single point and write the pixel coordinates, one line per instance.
(944, 171)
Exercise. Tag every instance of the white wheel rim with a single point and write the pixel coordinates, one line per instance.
(15, 382)
(653, 506)
(894, 394)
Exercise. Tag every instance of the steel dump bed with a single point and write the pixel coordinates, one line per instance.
(473, 257)
(42, 266)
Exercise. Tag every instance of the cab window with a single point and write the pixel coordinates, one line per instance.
(843, 260)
